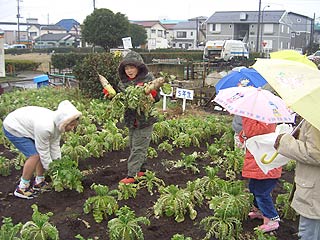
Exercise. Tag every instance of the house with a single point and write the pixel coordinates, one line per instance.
(316, 36)
(71, 26)
(273, 32)
(51, 40)
(156, 34)
(301, 30)
(187, 34)
(37, 30)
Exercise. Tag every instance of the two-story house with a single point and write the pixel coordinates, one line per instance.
(301, 31)
(187, 34)
(271, 33)
(156, 34)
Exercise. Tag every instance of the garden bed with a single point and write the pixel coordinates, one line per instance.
(67, 206)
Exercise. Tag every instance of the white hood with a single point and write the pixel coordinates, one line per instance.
(66, 113)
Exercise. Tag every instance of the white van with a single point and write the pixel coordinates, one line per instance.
(234, 49)
(18, 46)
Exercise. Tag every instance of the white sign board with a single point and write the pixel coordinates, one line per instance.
(184, 93)
(127, 44)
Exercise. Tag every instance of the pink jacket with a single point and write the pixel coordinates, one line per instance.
(250, 168)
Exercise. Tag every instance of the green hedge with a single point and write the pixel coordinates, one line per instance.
(188, 55)
(106, 64)
(67, 60)
(21, 65)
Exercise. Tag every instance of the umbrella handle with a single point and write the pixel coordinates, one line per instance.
(275, 154)
(267, 161)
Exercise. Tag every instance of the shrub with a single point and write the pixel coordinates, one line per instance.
(68, 60)
(87, 71)
(22, 65)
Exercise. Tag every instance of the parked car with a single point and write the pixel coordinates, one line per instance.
(315, 56)
(18, 46)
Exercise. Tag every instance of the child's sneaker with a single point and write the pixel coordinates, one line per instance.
(128, 180)
(269, 227)
(255, 215)
(25, 193)
(140, 174)
(42, 187)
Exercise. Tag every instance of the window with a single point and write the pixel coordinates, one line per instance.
(191, 34)
(160, 33)
(298, 20)
(215, 27)
(268, 28)
(153, 31)
(282, 28)
(181, 34)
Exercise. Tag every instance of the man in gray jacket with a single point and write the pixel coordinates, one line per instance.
(306, 200)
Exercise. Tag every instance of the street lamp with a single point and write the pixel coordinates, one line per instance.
(262, 26)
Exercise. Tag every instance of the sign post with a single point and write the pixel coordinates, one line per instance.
(164, 102)
(185, 94)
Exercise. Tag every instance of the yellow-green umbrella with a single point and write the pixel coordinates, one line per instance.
(298, 84)
(293, 56)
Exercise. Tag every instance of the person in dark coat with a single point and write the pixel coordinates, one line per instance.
(132, 71)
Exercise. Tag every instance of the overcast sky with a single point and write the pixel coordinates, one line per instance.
(52, 11)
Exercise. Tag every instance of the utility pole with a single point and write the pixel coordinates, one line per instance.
(94, 5)
(258, 28)
(18, 17)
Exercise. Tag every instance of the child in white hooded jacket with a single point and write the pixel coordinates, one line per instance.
(36, 132)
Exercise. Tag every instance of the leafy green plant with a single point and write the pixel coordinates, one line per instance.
(180, 237)
(226, 228)
(211, 183)
(233, 162)
(260, 235)
(8, 230)
(78, 236)
(65, 175)
(39, 228)
(126, 226)
(165, 146)
(126, 191)
(188, 162)
(283, 203)
(195, 189)
(229, 205)
(149, 181)
(73, 148)
(182, 140)
(152, 153)
(103, 204)
(5, 165)
(174, 201)
(290, 166)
